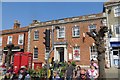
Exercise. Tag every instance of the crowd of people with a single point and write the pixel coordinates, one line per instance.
(78, 73)
(10, 74)
(71, 72)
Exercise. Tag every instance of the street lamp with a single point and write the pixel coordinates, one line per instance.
(52, 40)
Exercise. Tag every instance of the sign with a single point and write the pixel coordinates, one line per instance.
(46, 55)
(76, 55)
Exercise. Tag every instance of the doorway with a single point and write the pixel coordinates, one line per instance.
(61, 54)
(116, 54)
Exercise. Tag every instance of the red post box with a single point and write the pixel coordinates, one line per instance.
(22, 59)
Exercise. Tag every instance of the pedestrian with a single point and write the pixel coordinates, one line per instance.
(7, 76)
(77, 73)
(69, 71)
(55, 75)
(83, 75)
(92, 73)
(27, 76)
(94, 64)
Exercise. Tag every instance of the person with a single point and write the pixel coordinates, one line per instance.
(69, 71)
(7, 76)
(22, 73)
(77, 73)
(83, 75)
(55, 75)
(27, 76)
(94, 64)
(92, 73)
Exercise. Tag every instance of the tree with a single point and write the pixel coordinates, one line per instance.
(99, 41)
(9, 54)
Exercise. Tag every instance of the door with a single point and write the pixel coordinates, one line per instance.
(116, 54)
(61, 52)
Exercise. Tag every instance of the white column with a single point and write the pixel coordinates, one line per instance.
(111, 55)
(55, 55)
(58, 55)
(65, 54)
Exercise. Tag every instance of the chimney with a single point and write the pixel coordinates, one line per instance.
(16, 24)
(36, 21)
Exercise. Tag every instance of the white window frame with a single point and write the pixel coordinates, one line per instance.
(35, 54)
(8, 41)
(21, 37)
(58, 32)
(89, 29)
(1, 55)
(0, 41)
(76, 48)
(93, 54)
(117, 26)
(75, 30)
(36, 35)
(117, 11)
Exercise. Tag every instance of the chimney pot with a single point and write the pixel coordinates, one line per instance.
(16, 24)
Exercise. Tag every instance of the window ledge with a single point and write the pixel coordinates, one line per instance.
(75, 36)
(61, 37)
(36, 40)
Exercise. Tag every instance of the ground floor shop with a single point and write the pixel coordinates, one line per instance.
(115, 54)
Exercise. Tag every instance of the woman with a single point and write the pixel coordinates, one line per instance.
(77, 73)
(92, 73)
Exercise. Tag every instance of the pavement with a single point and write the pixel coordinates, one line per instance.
(112, 74)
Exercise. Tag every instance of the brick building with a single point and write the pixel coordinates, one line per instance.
(17, 36)
(112, 10)
(70, 41)
(0, 48)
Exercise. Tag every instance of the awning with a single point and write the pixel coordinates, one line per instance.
(115, 44)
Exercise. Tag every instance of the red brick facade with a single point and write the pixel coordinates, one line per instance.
(68, 23)
(15, 32)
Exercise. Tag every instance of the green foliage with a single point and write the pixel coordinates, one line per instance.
(39, 73)
(73, 63)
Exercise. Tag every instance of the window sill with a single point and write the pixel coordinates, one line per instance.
(61, 37)
(36, 40)
(75, 36)
(35, 58)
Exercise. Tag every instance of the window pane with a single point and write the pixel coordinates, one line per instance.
(0, 41)
(9, 40)
(61, 33)
(117, 29)
(36, 35)
(92, 27)
(76, 53)
(35, 52)
(93, 52)
(76, 32)
(21, 38)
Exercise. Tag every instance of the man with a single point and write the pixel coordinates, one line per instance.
(69, 71)
(83, 75)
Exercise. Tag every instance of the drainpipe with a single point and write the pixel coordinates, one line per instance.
(108, 37)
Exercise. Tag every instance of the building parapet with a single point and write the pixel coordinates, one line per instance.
(70, 20)
(10, 31)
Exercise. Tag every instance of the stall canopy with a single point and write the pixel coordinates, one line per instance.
(115, 44)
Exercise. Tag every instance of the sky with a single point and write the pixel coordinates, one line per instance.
(26, 12)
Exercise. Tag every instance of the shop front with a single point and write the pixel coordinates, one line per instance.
(115, 54)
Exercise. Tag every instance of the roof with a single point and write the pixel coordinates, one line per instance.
(10, 31)
(111, 2)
